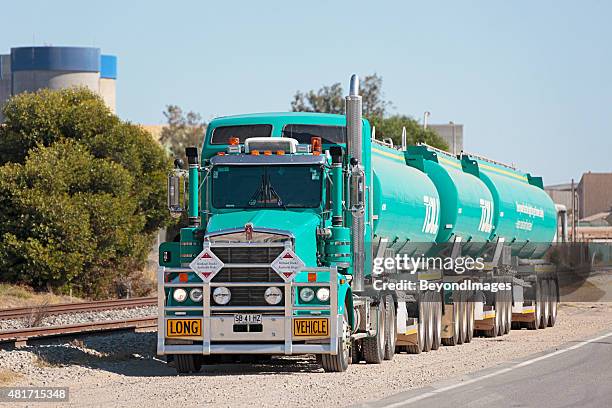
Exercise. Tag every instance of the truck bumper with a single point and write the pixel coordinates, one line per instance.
(276, 336)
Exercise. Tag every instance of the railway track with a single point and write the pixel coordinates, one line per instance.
(50, 310)
(20, 337)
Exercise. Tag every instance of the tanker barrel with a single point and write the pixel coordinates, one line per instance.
(354, 146)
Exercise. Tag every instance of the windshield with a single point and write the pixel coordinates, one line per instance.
(266, 186)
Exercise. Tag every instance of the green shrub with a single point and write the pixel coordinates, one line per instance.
(81, 193)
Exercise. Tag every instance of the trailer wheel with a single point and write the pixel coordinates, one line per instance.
(391, 328)
(495, 330)
(339, 363)
(187, 363)
(374, 347)
(544, 289)
(534, 324)
(429, 323)
(470, 322)
(421, 335)
(553, 297)
(508, 312)
(453, 341)
(437, 323)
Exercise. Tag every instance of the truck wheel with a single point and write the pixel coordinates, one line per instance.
(421, 335)
(470, 322)
(374, 347)
(391, 328)
(429, 323)
(462, 321)
(544, 286)
(534, 324)
(494, 331)
(437, 323)
(339, 363)
(453, 341)
(553, 297)
(508, 312)
(187, 363)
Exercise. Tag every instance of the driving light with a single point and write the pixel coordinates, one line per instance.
(307, 294)
(323, 294)
(222, 295)
(179, 295)
(273, 295)
(196, 295)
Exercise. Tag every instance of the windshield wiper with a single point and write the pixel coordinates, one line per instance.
(266, 193)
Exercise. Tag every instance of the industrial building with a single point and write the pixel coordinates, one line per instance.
(28, 69)
(452, 133)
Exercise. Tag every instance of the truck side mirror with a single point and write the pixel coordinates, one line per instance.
(177, 192)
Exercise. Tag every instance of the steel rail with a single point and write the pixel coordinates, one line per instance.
(23, 335)
(50, 310)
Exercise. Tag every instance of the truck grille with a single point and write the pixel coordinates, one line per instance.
(261, 255)
(247, 296)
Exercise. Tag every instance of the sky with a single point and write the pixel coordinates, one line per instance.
(529, 80)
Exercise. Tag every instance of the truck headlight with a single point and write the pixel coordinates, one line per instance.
(179, 295)
(273, 295)
(196, 295)
(222, 295)
(323, 294)
(307, 294)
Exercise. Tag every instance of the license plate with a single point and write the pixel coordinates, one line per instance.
(243, 318)
(311, 327)
(183, 327)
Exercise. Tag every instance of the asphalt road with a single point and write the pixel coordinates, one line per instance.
(578, 374)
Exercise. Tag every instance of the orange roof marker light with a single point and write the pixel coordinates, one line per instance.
(267, 152)
(280, 152)
(234, 141)
(220, 153)
(255, 152)
(317, 146)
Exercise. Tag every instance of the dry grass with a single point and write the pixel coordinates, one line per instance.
(38, 314)
(9, 377)
(23, 296)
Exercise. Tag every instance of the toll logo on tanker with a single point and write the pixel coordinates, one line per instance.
(432, 215)
(486, 216)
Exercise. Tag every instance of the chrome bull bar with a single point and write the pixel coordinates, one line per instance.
(284, 322)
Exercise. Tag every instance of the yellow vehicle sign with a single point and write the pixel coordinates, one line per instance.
(311, 327)
(184, 327)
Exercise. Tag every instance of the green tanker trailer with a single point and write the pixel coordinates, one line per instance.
(303, 235)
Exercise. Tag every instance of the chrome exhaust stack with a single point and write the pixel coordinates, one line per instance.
(356, 182)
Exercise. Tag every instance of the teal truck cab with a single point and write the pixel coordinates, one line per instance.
(287, 213)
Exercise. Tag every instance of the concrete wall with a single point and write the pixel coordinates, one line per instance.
(452, 135)
(595, 193)
(31, 81)
(108, 91)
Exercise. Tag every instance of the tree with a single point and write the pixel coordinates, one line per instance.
(81, 193)
(330, 99)
(182, 130)
(391, 127)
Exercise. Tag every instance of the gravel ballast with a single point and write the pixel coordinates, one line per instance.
(81, 317)
(122, 370)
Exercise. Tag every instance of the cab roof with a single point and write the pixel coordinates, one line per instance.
(279, 119)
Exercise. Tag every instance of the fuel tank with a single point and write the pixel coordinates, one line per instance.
(406, 204)
(466, 204)
(524, 215)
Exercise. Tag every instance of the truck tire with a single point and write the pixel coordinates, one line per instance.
(453, 341)
(429, 326)
(495, 330)
(470, 322)
(374, 347)
(545, 304)
(554, 299)
(339, 363)
(534, 324)
(508, 312)
(187, 363)
(391, 328)
(437, 323)
(462, 322)
(421, 335)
